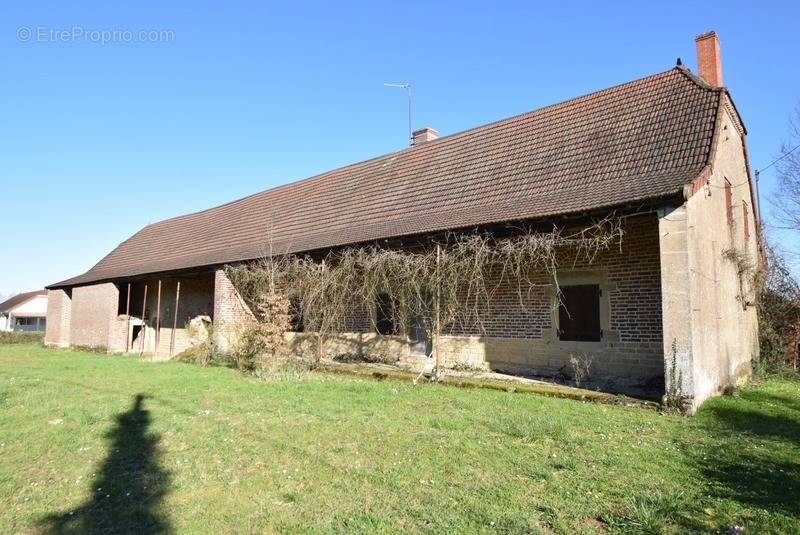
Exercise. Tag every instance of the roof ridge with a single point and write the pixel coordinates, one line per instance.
(642, 137)
(547, 107)
(697, 79)
(436, 141)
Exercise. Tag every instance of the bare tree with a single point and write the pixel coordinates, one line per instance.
(787, 197)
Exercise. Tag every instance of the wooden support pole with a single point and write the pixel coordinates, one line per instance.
(143, 331)
(438, 299)
(158, 319)
(321, 326)
(174, 320)
(128, 320)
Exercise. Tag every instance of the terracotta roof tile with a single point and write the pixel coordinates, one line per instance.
(640, 140)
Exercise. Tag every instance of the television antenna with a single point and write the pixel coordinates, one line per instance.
(407, 87)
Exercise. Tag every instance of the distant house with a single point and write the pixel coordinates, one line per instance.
(667, 309)
(24, 312)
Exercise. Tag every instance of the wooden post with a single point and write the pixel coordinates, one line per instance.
(158, 319)
(321, 326)
(174, 320)
(143, 331)
(128, 320)
(438, 298)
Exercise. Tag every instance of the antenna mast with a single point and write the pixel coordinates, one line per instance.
(407, 87)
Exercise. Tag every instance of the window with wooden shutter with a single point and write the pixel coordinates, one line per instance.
(384, 320)
(579, 313)
(728, 202)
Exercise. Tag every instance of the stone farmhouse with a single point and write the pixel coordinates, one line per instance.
(667, 152)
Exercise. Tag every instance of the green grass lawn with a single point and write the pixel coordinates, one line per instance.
(95, 443)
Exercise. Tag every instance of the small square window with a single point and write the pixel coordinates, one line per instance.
(579, 313)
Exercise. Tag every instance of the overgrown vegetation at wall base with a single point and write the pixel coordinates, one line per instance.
(21, 337)
(92, 443)
(778, 314)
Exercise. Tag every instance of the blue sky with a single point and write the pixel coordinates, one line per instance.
(99, 139)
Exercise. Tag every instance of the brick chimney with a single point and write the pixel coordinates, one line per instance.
(709, 63)
(424, 134)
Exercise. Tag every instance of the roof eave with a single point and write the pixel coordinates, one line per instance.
(640, 206)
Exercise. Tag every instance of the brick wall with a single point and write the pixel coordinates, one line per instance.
(59, 313)
(519, 334)
(230, 312)
(94, 307)
(631, 274)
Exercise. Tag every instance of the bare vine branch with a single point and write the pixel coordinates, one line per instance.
(471, 268)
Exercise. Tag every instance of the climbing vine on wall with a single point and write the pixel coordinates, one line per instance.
(445, 282)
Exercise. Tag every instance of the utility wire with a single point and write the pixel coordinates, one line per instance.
(776, 160)
(758, 172)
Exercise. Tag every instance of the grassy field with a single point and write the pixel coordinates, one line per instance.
(96, 444)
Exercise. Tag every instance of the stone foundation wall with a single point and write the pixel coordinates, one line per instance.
(388, 348)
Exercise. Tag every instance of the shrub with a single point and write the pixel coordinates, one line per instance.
(466, 367)
(581, 368)
(90, 349)
(778, 302)
(259, 342)
(369, 358)
(674, 398)
(201, 351)
(20, 337)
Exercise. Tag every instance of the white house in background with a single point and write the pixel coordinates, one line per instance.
(24, 312)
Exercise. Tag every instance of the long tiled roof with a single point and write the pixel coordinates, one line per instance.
(633, 142)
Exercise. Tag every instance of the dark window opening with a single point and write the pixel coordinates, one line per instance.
(384, 315)
(296, 313)
(579, 313)
(137, 329)
(122, 303)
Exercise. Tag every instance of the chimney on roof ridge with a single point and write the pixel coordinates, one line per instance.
(709, 62)
(423, 134)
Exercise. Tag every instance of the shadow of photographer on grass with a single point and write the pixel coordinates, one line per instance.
(128, 490)
(762, 476)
